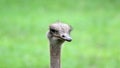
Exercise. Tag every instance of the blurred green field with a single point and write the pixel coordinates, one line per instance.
(24, 23)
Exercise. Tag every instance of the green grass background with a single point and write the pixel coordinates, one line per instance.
(96, 33)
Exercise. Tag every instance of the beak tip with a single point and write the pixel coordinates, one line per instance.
(69, 40)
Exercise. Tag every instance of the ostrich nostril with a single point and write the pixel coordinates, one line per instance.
(63, 35)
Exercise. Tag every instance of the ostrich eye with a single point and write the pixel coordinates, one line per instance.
(53, 31)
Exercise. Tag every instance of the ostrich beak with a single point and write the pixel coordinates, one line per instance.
(66, 37)
(69, 39)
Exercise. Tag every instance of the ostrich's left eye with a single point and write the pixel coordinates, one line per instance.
(53, 31)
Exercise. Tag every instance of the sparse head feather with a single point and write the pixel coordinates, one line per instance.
(61, 27)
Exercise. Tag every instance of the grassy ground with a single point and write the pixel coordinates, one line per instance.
(24, 23)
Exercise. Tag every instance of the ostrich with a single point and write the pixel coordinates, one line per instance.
(57, 35)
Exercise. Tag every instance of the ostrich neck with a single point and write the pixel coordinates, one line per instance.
(55, 50)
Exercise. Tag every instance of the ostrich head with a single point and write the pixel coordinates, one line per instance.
(59, 32)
